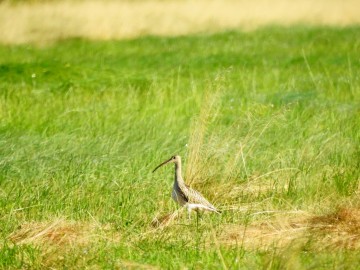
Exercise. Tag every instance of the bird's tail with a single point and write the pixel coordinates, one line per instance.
(217, 211)
(214, 209)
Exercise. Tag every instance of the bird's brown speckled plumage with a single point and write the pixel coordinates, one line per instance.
(183, 194)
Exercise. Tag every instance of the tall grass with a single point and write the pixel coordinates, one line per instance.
(267, 124)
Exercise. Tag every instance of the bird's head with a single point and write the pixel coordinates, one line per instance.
(173, 159)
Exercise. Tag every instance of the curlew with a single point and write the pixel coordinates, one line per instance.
(183, 194)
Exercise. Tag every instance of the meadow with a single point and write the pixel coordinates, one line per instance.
(267, 124)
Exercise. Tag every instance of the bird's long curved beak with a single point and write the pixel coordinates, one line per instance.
(165, 162)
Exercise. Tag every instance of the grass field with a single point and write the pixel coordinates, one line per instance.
(267, 123)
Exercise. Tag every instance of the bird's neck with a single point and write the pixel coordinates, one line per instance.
(178, 178)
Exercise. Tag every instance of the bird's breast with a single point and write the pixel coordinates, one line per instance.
(178, 196)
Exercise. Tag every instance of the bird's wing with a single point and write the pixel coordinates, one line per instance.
(196, 197)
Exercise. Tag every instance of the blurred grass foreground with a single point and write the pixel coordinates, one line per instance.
(43, 21)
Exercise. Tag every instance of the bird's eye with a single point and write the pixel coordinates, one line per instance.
(174, 157)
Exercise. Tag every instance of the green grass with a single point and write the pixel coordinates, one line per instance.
(265, 121)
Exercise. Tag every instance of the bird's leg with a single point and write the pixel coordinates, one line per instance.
(197, 220)
(189, 212)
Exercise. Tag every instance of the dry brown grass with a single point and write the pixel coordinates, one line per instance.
(44, 22)
(62, 233)
(59, 238)
(162, 221)
(340, 229)
(280, 229)
(195, 159)
(124, 264)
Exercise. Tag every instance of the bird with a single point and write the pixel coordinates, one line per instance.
(184, 195)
